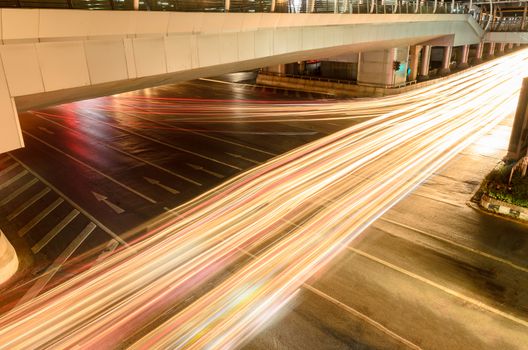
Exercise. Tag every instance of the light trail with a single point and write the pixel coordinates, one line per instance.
(230, 259)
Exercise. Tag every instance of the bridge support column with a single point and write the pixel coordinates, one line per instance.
(426, 58)
(491, 50)
(510, 46)
(519, 136)
(501, 49)
(414, 56)
(377, 67)
(464, 57)
(8, 259)
(446, 61)
(478, 53)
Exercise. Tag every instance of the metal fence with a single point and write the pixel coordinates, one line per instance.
(282, 6)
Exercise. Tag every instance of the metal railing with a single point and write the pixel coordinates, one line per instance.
(282, 6)
(308, 77)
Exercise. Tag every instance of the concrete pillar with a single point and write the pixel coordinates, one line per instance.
(446, 61)
(478, 53)
(414, 57)
(377, 67)
(518, 44)
(8, 259)
(510, 46)
(501, 49)
(491, 50)
(464, 57)
(426, 58)
(519, 135)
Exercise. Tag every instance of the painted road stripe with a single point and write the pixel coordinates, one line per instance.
(18, 191)
(127, 130)
(28, 203)
(123, 152)
(447, 290)
(130, 189)
(57, 264)
(350, 310)
(8, 169)
(242, 157)
(54, 231)
(437, 199)
(472, 250)
(195, 132)
(73, 204)
(40, 217)
(362, 316)
(13, 179)
(106, 252)
(201, 168)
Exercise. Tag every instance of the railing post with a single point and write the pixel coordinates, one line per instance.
(227, 5)
(272, 8)
(523, 21)
(136, 5)
(434, 7)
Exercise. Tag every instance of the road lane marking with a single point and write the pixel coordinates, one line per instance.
(18, 191)
(159, 184)
(13, 179)
(106, 252)
(104, 199)
(54, 231)
(348, 309)
(362, 316)
(201, 168)
(445, 240)
(40, 217)
(28, 203)
(47, 131)
(438, 199)
(73, 204)
(234, 155)
(108, 177)
(57, 264)
(123, 152)
(127, 130)
(447, 290)
(197, 132)
(8, 169)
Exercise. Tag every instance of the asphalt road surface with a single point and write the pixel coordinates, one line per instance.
(431, 273)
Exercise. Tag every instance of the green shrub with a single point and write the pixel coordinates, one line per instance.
(496, 186)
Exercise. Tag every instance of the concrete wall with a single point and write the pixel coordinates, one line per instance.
(8, 259)
(52, 56)
(506, 37)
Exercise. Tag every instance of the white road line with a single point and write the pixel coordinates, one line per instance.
(127, 130)
(54, 231)
(72, 203)
(242, 157)
(130, 189)
(18, 191)
(362, 316)
(437, 199)
(124, 152)
(201, 168)
(106, 252)
(197, 132)
(472, 250)
(57, 264)
(8, 169)
(40, 217)
(442, 288)
(349, 309)
(13, 179)
(28, 203)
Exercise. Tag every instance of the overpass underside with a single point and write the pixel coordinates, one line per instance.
(54, 56)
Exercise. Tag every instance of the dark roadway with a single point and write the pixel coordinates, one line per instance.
(432, 273)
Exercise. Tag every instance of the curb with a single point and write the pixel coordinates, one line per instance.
(503, 208)
(8, 259)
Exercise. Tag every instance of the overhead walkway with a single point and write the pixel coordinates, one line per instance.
(52, 56)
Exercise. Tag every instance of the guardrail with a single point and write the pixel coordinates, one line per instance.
(280, 6)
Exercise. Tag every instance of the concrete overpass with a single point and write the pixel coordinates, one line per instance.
(53, 56)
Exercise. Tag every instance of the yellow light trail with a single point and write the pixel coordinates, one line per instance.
(227, 261)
